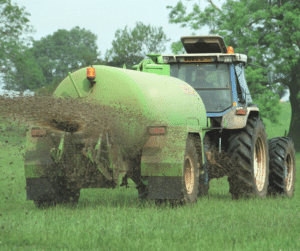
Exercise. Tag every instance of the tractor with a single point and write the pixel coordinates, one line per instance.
(255, 167)
(197, 107)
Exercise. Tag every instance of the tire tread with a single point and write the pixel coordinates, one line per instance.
(279, 148)
(240, 148)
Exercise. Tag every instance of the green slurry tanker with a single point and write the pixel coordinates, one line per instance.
(196, 106)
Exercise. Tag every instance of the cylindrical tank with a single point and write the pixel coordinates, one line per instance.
(163, 100)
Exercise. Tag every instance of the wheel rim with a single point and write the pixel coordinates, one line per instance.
(189, 175)
(259, 164)
(289, 165)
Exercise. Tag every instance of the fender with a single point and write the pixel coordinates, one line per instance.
(37, 155)
(231, 120)
(163, 155)
(162, 161)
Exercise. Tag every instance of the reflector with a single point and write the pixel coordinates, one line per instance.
(38, 132)
(241, 112)
(157, 130)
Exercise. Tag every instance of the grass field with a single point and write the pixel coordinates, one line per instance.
(108, 219)
(284, 122)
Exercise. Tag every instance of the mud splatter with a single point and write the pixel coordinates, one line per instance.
(73, 116)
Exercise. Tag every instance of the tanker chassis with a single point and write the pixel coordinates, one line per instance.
(198, 105)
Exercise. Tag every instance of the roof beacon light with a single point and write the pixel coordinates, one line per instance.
(230, 50)
(90, 73)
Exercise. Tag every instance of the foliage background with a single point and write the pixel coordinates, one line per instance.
(267, 32)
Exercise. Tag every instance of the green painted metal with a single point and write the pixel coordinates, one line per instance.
(154, 64)
(32, 170)
(92, 153)
(99, 142)
(148, 165)
(164, 155)
(74, 84)
(163, 100)
(36, 147)
(57, 153)
(157, 58)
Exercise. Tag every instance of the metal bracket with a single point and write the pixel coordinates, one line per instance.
(94, 155)
(56, 154)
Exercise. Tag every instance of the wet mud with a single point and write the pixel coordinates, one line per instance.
(116, 126)
(92, 120)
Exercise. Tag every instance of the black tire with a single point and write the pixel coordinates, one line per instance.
(69, 196)
(203, 172)
(282, 176)
(44, 203)
(190, 178)
(249, 174)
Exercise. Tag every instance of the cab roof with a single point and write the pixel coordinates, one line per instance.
(203, 44)
(208, 48)
(205, 57)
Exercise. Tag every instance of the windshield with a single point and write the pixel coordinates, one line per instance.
(211, 81)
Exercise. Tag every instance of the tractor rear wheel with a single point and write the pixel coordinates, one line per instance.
(248, 148)
(282, 176)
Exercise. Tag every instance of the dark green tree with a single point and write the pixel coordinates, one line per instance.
(14, 24)
(65, 51)
(177, 48)
(41, 67)
(131, 46)
(26, 74)
(268, 33)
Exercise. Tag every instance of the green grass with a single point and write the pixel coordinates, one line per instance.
(284, 122)
(107, 219)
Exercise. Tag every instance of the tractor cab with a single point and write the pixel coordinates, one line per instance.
(214, 71)
(210, 80)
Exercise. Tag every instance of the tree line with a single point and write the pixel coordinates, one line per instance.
(266, 31)
(40, 65)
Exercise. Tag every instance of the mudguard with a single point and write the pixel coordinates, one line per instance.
(231, 120)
